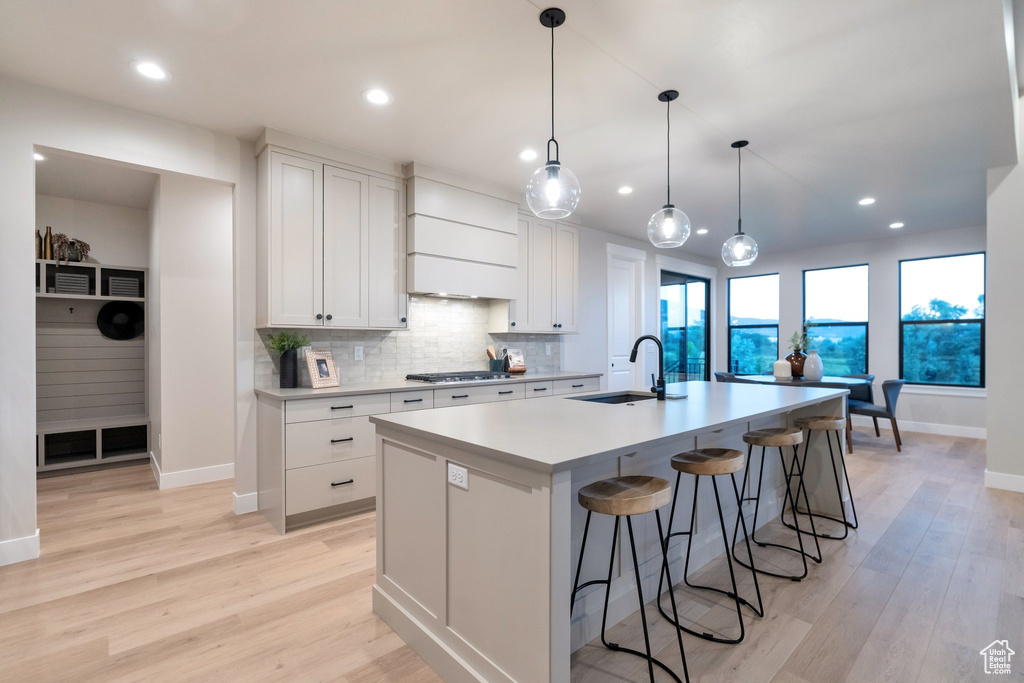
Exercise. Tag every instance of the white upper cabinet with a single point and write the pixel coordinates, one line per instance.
(295, 240)
(331, 248)
(547, 293)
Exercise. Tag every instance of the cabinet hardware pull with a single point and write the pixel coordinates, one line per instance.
(576, 386)
(340, 407)
(350, 438)
(342, 483)
(502, 393)
(403, 320)
(460, 395)
(330, 317)
(540, 389)
(319, 316)
(414, 400)
(513, 323)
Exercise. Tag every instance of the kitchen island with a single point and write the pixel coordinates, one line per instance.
(476, 575)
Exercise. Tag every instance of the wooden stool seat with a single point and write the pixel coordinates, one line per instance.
(821, 423)
(626, 495)
(776, 436)
(708, 461)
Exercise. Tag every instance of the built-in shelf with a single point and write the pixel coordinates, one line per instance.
(96, 281)
(80, 443)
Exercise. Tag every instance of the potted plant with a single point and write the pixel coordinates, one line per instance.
(798, 344)
(285, 345)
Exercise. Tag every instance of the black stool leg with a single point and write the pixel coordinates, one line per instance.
(802, 487)
(839, 492)
(759, 610)
(671, 594)
(579, 565)
(846, 475)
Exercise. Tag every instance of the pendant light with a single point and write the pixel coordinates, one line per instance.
(740, 249)
(669, 227)
(553, 191)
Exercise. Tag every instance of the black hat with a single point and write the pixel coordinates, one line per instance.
(121, 320)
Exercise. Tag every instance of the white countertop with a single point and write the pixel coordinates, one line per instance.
(407, 385)
(559, 432)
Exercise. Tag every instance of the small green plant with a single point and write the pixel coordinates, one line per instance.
(286, 341)
(798, 342)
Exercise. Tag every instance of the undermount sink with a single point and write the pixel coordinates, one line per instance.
(627, 397)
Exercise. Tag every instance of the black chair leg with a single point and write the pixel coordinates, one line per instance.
(896, 433)
(877, 432)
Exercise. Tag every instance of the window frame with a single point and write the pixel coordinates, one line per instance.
(728, 318)
(978, 321)
(866, 323)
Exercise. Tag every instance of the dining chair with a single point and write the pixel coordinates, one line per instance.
(862, 392)
(890, 392)
(725, 377)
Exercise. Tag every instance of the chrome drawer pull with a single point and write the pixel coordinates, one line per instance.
(576, 386)
(460, 396)
(340, 407)
(541, 389)
(350, 438)
(415, 400)
(502, 393)
(342, 483)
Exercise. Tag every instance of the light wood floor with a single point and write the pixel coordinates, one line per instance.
(140, 584)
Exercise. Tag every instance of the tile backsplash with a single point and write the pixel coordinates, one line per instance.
(443, 335)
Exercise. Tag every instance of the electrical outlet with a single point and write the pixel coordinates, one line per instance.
(458, 476)
(359, 353)
(159, 441)
(547, 349)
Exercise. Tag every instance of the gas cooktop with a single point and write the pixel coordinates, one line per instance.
(473, 375)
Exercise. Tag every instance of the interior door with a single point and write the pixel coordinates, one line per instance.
(346, 248)
(296, 241)
(625, 276)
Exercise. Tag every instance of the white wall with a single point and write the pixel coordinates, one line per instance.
(932, 409)
(117, 235)
(30, 116)
(588, 350)
(1005, 327)
(153, 383)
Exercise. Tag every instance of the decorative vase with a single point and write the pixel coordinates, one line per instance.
(814, 369)
(782, 369)
(796, 363)
(48, 245)
(289, 369)
(39, 245)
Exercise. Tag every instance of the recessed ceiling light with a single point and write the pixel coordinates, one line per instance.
(442, 293)
(376, 96)
(528, 155)
(473, 296)
(702, 231)
(866, 201)
(895, 225)
(38, 157)
(151, 70)
(625, 189)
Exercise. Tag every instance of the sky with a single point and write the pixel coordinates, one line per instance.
(958, 280)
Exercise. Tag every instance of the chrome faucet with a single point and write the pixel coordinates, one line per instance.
(659, 384)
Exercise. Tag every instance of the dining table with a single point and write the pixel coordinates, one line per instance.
(828, 382)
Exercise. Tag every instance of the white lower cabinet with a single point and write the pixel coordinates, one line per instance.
(576, 386)
(463, 396)
(539, 389)
(317, 443)
(335, 483)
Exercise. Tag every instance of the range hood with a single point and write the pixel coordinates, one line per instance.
(462, 236)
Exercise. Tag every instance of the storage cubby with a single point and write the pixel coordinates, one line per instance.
(118, 441)
(66, 447)
(79, 443)
(70, 280)
(122, 283)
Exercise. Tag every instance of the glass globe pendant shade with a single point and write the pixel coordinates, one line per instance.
(553, 191)
(669, 227)
(739, 250)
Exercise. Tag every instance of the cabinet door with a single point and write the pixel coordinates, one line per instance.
(567, 277)
(346, 248)
(519, 319)
(388, 300)
(542, 277)
(296, 240)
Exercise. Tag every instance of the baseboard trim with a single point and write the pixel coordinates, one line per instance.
(924, 427)
(19, 549)
(199, 475)
(1001, 480)
(245, 503)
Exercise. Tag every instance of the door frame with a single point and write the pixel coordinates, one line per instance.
(680, 267)
(639, 257)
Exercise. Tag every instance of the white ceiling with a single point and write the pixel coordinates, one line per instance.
(93, 180)
(905, 101)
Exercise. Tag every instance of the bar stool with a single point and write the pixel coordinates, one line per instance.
(778, 437)
(625, 497)
(828, 425)
(711, 462)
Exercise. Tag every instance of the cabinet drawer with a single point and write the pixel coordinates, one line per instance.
(461, 396)
(577, 386)
(412, 400)
(307, 410)
(314, 443)
(538, 389)
(320, 486)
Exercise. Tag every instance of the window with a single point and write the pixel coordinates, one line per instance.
(836, 316)
(753, 323)
(684, 332)
(942, 320)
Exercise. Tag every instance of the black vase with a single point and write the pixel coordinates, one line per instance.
(289, 371)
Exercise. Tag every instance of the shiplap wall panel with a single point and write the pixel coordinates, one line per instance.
(80, 374)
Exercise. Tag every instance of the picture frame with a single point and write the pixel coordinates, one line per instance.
(322, 372)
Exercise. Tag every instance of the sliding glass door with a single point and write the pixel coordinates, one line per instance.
(684, 331)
